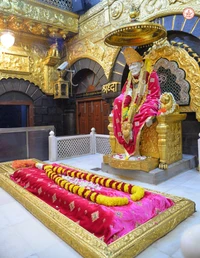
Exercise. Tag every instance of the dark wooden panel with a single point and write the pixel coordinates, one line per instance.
(98, 116)
(90, 115)
(93, 113)
(82, 118)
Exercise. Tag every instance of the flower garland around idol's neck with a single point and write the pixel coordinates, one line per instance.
(55, 172)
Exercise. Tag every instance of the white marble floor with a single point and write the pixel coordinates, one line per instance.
(23, 236)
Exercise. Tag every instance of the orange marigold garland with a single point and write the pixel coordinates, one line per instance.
(23, 163)
(82, 191)
(136, 192)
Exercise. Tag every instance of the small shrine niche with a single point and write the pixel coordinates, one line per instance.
(53, 55)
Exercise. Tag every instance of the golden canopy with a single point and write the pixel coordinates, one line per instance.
(135, 33)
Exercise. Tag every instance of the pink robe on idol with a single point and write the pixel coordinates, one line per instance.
(148, 109)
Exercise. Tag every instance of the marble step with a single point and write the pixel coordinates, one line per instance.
(157, 175)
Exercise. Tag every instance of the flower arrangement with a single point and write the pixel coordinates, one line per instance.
(55, 172)
(125, 113)
(23, 163)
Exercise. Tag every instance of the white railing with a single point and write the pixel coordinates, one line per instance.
(71, 146)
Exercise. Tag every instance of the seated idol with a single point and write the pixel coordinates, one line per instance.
(137, 104)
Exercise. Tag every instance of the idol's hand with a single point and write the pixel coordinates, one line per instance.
(149, 121)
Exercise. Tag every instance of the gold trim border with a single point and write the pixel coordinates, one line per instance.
(145, 165)
(86, 243)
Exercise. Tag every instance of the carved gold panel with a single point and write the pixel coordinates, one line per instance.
(28, 63)
(36, 18)
(169, 138)
(149, 141)
(145, 165)
(14, 63)
(33, 23)
(98, 52)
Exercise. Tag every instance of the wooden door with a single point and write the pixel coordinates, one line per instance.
(82, 118)
(92, 113)
(97, 116)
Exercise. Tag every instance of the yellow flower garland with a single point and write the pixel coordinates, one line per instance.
(136, 192)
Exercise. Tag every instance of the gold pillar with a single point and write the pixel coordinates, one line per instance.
(169, 131)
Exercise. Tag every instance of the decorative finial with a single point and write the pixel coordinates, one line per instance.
(134, 13)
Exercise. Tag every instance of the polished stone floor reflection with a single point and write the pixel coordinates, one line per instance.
(23, 236)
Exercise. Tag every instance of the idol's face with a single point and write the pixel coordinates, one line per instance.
(135, 68)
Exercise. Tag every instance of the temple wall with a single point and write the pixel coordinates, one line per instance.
(46, 111)
(27, 60)
(108, 15)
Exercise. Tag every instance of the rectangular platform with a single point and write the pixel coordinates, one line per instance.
(154, 176)
(86, 243)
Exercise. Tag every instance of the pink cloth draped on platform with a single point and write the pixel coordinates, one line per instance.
(106, 223)
(148, 109)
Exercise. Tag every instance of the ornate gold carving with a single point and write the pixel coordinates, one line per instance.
(169, 138)
(14, 63)
(145, 165)
(51, 60)
(97, 9)
(50, 77)
(168, 103)
(148, 12)
(87, 48)
(95, 51)
(152, 9)
(92, 25)
(115, 146)
(32, 17)
(149, 141)
(110, 87)
(87, 244)
(33, 22)
(112, 137)
(53, 55)
(116, 10)
(108, 61)
(28, 63)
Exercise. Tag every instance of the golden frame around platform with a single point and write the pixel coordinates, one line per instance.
(86, 243)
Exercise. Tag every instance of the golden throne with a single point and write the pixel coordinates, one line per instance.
(161, 143)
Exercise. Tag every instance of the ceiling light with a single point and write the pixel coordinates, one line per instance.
(7, 39)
